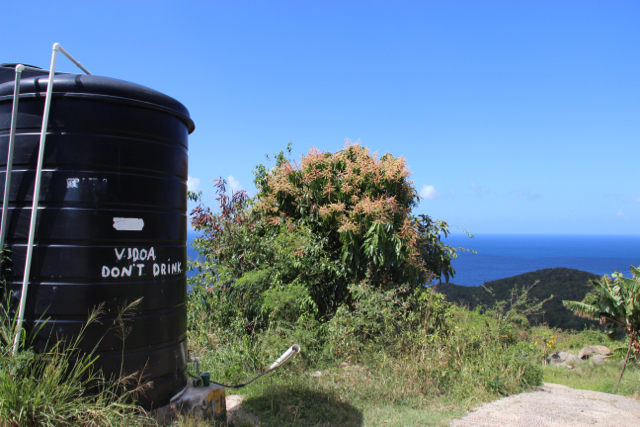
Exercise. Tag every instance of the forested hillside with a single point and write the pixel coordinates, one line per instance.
(562, 283)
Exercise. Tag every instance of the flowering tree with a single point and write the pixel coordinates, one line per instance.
(318, 225)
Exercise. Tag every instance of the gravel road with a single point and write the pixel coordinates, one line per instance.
(556, 405)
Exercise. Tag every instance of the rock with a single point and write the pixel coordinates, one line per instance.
(594, 349)
(558, 357)
(562, 358)
(572, 359)
(597, 359)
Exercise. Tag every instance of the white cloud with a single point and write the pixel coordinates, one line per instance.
(620, 213)
(624, 198)
(429, 192)
(528, 194)
(479, 190)
(193, 183)
(234, 184)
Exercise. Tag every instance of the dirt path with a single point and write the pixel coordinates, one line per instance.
(556, 406)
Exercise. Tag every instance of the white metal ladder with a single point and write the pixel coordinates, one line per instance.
(36, 190)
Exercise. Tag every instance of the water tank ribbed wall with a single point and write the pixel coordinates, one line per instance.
(111, 223)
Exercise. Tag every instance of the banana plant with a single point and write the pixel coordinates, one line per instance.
(616, 303)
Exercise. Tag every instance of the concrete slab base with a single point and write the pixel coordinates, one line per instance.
(202, 402)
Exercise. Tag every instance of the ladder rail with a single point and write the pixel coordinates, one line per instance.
(36, 189)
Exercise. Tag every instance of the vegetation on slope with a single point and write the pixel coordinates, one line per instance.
(328, 256)
(389, 356)
(561, 283)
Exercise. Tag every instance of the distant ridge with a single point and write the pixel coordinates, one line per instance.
(562, 283)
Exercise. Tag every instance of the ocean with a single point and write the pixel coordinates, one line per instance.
(504, 255)
(500, 256)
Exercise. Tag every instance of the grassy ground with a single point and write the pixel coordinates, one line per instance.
(356, 396)
(597, 378)
(345, 396)
(348, 396)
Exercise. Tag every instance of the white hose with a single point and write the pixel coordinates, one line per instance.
(294, 349)
(285, 356)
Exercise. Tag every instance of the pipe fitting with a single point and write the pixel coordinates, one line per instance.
(287, 354)
(196, 360)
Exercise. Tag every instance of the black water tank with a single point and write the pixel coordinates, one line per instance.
(112, 219)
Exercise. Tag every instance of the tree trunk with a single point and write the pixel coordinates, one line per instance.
(624, 366)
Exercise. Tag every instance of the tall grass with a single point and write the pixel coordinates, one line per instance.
(385, 353)
(60, 386)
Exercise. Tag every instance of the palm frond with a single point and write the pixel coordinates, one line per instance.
(632, 285)
(618, 353)
(582, 309)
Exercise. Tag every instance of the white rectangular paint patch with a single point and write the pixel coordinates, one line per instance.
(128, 224)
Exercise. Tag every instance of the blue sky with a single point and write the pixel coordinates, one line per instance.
(515, 116)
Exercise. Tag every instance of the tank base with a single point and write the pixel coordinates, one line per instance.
(202, 402)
